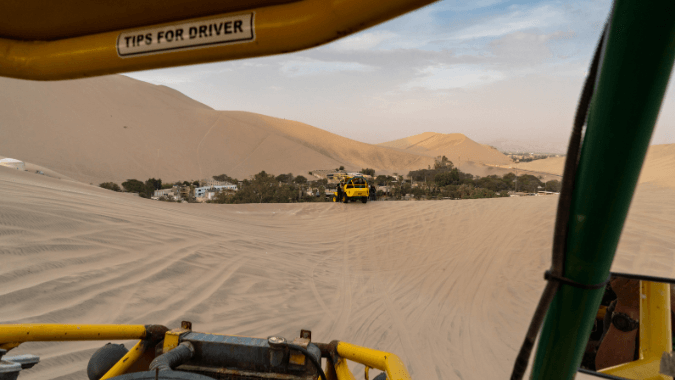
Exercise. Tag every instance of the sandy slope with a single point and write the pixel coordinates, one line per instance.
(114, 128)
(455, 146)
(659, 166)
(554, 165)
(448, 285)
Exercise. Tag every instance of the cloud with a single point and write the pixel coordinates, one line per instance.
(362, 41)
(443, 77)
(301, 67)
(463, 6)
(526, 48)
(544, 16)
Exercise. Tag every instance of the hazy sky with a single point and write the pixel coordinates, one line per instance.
(490, 69)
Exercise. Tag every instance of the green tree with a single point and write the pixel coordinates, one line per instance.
(553, 185)
(341, 167)
(133, 186)
(136, 186)
(110, 186)
(225, 178)
(155, 184)
(285, 178)
(447, 178)
(300, 180)
(368, 171)
(529, 183)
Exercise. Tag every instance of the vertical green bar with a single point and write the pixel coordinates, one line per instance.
(634, 72)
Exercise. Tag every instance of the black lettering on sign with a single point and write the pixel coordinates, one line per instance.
(187, 35)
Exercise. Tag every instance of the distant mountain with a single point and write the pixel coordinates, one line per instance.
(455, 146)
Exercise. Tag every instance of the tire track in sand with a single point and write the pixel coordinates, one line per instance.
(208, 291)
(346, 289)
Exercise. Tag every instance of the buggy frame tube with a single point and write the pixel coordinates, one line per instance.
(384, 361)
(127, 360)
(44, 332)
(278, 29)
(636, 64)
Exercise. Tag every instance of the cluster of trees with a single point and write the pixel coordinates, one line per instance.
(267, 188)
(144, 189)
(445, 180)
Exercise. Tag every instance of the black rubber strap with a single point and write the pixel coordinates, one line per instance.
(552, 277)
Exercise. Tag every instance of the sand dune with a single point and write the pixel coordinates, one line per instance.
(447, 285)
(114, 128)
(658, 168)
(455, 146)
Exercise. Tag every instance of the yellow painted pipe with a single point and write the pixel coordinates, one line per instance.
(342, 370)
(42, 332)
(278, 29)
(384, 361)
(127, 360)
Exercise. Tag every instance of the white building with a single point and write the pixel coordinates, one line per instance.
(213, 182)
(13, 163)
(201, 192)
(163, 192)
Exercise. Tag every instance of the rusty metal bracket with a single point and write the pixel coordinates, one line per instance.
(172, 338)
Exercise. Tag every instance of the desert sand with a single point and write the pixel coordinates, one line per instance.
(114, 128)
(449, 286)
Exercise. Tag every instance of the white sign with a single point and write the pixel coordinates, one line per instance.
(219, 31)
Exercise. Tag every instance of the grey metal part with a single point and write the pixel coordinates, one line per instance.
(26, 361)
(245, 354)
(9, 370)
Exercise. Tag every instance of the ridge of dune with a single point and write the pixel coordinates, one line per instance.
(455, 146)
(114, 128)
(356, 154)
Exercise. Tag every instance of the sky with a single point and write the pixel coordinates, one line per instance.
(496, 71)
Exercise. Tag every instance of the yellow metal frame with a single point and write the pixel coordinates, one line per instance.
(45, 332)
(278, 29)
(128, 360)
(655, 334)
(384, 361)
(13, 335)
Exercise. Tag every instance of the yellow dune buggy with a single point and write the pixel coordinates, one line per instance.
(352, 188)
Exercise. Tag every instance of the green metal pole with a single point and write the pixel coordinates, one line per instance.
(634, 71)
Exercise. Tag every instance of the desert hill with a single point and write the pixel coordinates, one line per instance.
(659, 166)
(114, 128)
(455, 146)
